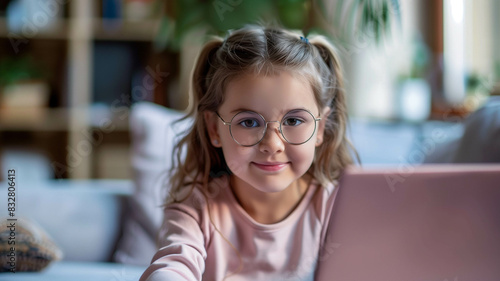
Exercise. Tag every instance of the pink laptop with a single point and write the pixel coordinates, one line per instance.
(424, 223)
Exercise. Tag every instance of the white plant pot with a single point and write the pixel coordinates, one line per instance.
(414, 100)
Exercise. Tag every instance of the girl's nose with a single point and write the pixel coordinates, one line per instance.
(273, 140)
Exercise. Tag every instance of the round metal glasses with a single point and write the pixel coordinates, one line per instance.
(248, 128)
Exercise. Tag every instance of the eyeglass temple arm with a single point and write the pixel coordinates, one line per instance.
(224, 122)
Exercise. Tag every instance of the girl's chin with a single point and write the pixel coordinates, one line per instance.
(269, 185)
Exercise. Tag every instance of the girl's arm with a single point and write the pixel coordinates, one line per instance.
(182, 254)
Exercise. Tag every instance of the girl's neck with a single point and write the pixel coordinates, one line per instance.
(269, 208)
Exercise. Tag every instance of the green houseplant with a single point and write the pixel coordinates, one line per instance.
(22, 84)
(338, 19)
(414, 92)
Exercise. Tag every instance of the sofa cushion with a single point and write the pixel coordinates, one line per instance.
(153, 134)
(25, 246)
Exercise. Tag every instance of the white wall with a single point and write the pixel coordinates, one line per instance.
(480, 36)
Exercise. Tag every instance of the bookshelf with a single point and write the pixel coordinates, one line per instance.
(91, 65)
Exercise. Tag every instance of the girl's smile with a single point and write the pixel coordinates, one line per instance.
(271, 166)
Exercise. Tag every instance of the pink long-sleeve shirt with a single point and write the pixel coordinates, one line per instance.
(201, 241)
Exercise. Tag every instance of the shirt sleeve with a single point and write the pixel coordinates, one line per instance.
(182, 243)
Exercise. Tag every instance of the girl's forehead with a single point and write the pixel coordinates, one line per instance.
(276, 77)
(278, 92)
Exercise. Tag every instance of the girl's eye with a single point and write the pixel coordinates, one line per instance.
(292, 121)
(249, 123)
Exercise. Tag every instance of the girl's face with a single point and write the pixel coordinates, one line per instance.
(273, 164)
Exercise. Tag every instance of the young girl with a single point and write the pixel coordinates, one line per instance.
(251, 199)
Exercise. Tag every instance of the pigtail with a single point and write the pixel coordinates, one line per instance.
(195, 143)
(202, 67)
(336, 151)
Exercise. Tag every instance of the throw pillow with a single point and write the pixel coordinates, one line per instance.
(153, 135)
(25, 246)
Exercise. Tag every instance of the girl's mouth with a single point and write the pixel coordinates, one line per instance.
(270, 167)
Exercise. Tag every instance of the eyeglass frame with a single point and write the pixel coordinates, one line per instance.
(265, 129)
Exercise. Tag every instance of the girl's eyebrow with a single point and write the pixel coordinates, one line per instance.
(241, 109)
(238, 110)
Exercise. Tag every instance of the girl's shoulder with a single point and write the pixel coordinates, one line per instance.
(325, 190)
(324, 197)
(323, 202)
(201, 207)
(196, 198)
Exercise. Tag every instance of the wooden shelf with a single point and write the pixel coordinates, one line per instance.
(102, 29)
(106, 120)
(34, 119)
(123, 30)
(57, 119)
(58, 31)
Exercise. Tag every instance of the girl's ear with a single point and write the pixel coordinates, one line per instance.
(211, 123)
(321, 126)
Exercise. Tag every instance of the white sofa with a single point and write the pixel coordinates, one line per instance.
(106, 228)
